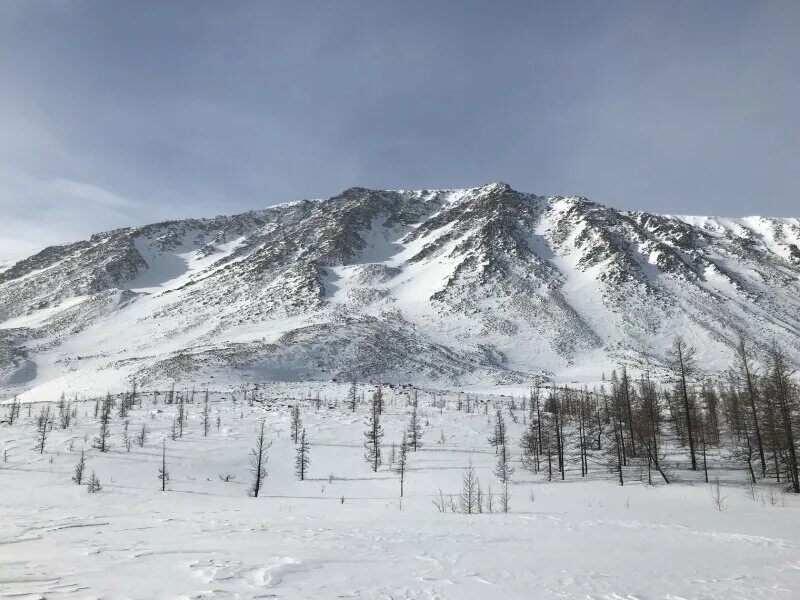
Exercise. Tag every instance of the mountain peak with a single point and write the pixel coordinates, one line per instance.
(497, 186)
(472, 285)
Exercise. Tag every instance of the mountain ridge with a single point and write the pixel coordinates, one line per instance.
(484, 285)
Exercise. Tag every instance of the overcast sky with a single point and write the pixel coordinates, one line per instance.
(118, 113)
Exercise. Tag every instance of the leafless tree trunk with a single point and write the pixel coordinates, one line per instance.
(469, 483)
(303, 458)
(402, 462)
(163, 474)
(42, 427)
(682, 361)
(746, 370)
(258, 462)
(206, 415)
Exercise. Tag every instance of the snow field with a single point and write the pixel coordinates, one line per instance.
(344, 532)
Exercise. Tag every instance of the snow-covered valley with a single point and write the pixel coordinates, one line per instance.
(343, 532)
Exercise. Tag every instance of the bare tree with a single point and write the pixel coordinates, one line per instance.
(505, 498)
(77, 477)
(180, 420)
(785, 394)
(296, 424)
(93, 486)
(206, 416)
(647, 423)
(469, 489)
(303, 459)
(414, 430)
(64, 414)
(163, 474)
(529, 444)
(617, 442)
(402, 462)
(499, 435)
(682, 360)
(373, 437)
(352, 395)
(42, 427)
(127, 440)
(141, 438)
(626, 394)
(748, 375)
(258, 462)
(122, 407)
(717, 498)
(101, 440)
(13, 413)
(503, 470)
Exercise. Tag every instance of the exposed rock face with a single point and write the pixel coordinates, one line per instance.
(481, 285)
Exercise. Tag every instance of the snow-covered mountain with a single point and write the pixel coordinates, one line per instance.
(480, 286)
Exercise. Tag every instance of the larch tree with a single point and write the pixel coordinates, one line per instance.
(80, 467)
(377, 397)
(43, 425)
(163, 474)
(414, 430)
(352, 395)
(469, 490)
(786, 396)
(258, 462)
(503, 472)
(747, 374)
(682, 360)
(101, 440)
(402, 462)
(296, 423)
(180, 419)
(206, 416)
(303, 458)
(373, 437)
(499, 435)
(127, 440)
(13, 412)
(93, 486)
(529, 444)
(141, 438)
(647, 422)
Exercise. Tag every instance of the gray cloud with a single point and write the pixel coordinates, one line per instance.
(118, 113)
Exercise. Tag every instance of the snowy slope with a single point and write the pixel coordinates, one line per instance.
(481, 286)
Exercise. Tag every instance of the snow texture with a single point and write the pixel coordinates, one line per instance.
(344, 532)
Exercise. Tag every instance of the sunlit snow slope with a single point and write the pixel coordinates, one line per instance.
(479, 286)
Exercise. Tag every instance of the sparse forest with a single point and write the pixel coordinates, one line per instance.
(734, 433)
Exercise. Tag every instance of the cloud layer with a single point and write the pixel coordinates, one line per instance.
(116, 113)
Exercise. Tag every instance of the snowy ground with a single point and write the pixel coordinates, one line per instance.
(344, 534)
